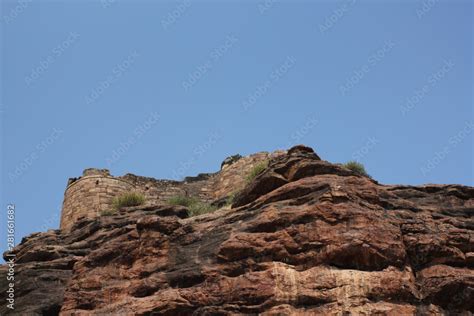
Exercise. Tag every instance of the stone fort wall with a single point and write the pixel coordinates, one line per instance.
(94, 192)
(90, 194)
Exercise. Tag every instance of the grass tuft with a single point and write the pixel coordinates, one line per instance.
(199, 208)
(194, 205)
(256, 170)
(128, 199)
(357, 167)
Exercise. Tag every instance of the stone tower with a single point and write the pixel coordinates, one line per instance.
(90, 194)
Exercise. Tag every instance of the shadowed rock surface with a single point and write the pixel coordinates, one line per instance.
(305, 237)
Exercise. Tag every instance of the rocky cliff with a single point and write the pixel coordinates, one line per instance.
(305, 237)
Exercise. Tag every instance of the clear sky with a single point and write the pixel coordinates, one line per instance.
(170, 89)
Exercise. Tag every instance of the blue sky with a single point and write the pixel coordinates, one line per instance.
(170, 89)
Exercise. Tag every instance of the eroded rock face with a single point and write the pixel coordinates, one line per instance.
(306, 237)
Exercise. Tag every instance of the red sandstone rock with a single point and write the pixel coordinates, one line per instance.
(306, 237)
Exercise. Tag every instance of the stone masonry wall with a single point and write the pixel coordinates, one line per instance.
(232, 177)
(95, 191)
(90, 195)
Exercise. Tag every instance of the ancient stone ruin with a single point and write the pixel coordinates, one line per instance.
(93, 192)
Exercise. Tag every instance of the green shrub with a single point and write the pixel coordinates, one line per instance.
(357, 167)
(182, 200)
(199, 208)
(194, 205)
(256, 170)
(128, 199)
